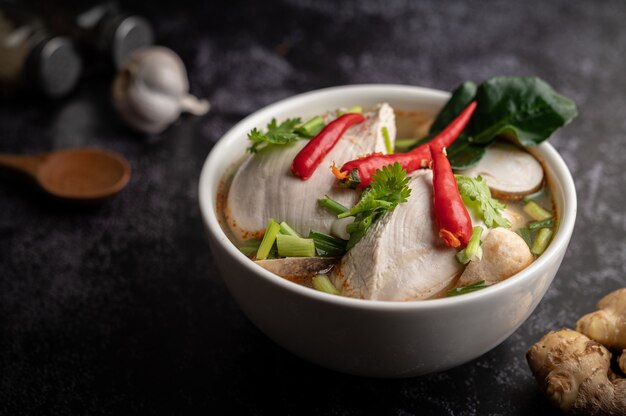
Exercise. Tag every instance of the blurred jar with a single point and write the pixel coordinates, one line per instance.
(33, 59)
(106, 34)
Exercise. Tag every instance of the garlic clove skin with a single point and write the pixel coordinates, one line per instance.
(152, 89)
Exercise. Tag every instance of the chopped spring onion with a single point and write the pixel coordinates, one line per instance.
(327, 245)
(287, 230)
(467, 289)
(354, 109)
(536, 211)
(549, 223)
(312, 127)
(291, 246)
(526, 236)
(268, 239)
(388, 146)
(250, 247)
(473, 250)
(541, 242)
(332, 205)
(323, 284)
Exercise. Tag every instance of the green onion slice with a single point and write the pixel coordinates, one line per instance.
(268, 239)
(291, 246)
(323, 284)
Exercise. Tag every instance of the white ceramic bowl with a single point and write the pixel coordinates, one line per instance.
(378, 338)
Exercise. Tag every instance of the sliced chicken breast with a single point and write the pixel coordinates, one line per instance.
(402, 257)
(265, 188)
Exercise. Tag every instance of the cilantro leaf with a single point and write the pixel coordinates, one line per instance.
(279, 134)
(476, 196)
(389, 187)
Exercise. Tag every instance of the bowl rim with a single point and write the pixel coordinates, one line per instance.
(207, 196)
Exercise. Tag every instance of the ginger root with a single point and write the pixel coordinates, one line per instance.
(575, 373)
(607, 325)
(573, 368)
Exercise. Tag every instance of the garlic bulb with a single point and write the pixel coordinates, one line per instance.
(151, 90)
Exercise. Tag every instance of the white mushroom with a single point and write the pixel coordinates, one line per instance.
(504, 254)
(265, 188)
(510, 172)
(402, 256)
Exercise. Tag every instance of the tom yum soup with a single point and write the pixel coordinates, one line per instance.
(378, 203)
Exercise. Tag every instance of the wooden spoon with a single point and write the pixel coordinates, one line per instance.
(74, 174)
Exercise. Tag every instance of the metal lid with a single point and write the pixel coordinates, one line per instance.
(54, 66)
(124, 35)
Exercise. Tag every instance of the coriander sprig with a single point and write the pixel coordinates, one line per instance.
(389, 187)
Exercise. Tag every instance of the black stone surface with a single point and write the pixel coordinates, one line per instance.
(119, 308)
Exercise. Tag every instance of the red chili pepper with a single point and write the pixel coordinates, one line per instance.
(453, 220)
(311, 155)
(417, 158)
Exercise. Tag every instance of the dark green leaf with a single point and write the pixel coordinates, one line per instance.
(525, 109)
(461, 97)
(463, 154)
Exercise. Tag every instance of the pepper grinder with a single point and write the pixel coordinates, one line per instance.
(31, 58)
(103, 30)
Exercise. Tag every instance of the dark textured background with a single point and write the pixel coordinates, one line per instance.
(119, 309)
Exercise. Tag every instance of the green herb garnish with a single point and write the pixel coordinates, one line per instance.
(476, 195)
(292, 246)
(549, 223)
(389, 187)
(311, 128)
(536, 211)
(322, 283)
(327, 245)
(387, 139)
(268, 239)
(332, 205)
(277, 134)
(472, 250)
(544, 235)
(287, 230)
(467, 289)
(250, 247)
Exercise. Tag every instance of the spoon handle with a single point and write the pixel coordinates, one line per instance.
(25, 164)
